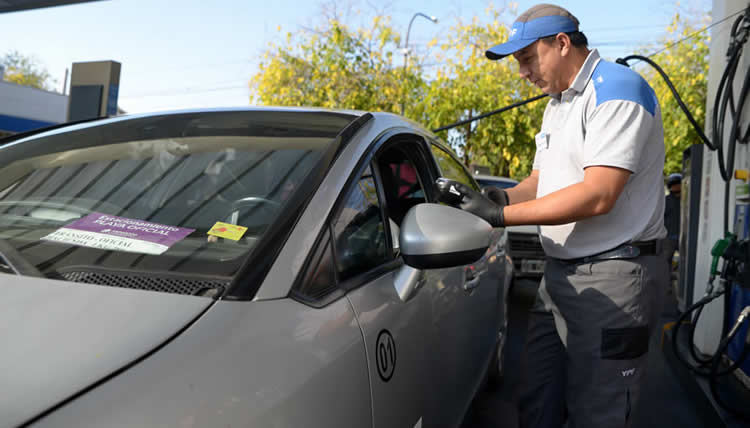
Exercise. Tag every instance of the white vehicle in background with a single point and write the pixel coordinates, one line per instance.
(524, 249)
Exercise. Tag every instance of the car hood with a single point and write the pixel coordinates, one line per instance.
(60, 337)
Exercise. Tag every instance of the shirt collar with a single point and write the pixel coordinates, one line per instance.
(582, 78)
(584, 74)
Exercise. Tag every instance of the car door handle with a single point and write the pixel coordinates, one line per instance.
(470, 285)
(473, 277)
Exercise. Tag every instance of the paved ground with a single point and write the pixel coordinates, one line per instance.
(664, 404)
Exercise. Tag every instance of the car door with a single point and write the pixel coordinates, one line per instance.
(393, 330)
(404, 172)
(475, 327)
(426, 340)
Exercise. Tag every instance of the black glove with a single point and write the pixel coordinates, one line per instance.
(496, 195)
(458, 195)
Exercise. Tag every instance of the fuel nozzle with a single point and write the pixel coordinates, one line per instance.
(718, 251)
(448, 192)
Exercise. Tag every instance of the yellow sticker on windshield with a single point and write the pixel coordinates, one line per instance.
(226, 230)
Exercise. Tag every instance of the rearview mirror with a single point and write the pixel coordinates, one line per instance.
(436, 236)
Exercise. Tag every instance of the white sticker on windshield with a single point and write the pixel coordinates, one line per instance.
(109, 232)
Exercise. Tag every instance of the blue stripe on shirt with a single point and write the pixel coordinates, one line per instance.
(617, 82)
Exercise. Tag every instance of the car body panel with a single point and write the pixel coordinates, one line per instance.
(398, 346)
(257, 364)
(59, 337)
(464, 352)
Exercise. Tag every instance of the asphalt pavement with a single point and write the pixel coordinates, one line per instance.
(664, 403)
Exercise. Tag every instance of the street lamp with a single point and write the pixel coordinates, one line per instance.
(406, 45)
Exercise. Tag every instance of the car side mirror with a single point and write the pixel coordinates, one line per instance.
(436, 236)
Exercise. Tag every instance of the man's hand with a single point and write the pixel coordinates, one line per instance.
(458, 195)
(496, 195)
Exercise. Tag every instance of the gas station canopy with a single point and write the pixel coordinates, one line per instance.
(19, 5)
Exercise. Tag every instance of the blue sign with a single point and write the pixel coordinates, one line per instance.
(112, 100)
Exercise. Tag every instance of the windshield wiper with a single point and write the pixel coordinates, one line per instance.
(14, 261)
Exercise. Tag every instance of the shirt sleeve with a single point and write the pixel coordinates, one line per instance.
(616, 135)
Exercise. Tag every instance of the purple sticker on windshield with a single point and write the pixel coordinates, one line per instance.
(110, 232)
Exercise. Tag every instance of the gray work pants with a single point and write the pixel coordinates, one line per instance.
(587, 342)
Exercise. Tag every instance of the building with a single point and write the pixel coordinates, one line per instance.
(23, 108)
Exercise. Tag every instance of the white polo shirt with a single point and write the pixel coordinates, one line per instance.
(608, 117)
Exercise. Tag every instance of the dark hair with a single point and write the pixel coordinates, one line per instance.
(577, 39)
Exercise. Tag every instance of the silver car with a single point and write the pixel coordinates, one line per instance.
(249, 267)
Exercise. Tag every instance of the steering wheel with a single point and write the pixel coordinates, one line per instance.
(250, 201)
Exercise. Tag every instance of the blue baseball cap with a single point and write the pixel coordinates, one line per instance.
(540, 21)
(674, 179)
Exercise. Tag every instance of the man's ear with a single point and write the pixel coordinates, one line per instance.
(562, 41)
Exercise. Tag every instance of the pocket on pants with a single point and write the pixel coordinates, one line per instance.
(624, 343)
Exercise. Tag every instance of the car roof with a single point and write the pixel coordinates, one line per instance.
(347, 115)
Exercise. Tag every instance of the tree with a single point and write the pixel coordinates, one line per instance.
(468, 84)
(339, 67)
(686, 64)
(336, 67)
(23, 70)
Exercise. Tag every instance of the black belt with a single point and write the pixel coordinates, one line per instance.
(628, 250)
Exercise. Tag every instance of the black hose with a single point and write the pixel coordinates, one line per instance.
(683, 107)
(714, 374)
(702, 362)
(490, 113)
(736, 133)
(695, 306)
(724, 100)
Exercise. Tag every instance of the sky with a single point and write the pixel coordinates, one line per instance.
(179, 54)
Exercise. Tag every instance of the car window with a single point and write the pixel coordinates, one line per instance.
(401, 183)
(450, 168)
(320, 278)
(185, 204)
(359, 231)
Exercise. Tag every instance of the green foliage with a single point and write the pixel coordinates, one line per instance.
(23, 70)
(335, 66)
(469, 84)
(686, 64)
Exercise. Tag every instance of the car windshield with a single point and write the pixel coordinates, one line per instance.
(172, 205)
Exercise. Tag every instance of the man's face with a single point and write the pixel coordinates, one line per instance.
(540, 63)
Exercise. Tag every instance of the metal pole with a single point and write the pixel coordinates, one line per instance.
(406, 46)
(65, 81)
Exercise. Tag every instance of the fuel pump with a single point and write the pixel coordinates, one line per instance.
(739, 292)
(735, 346)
